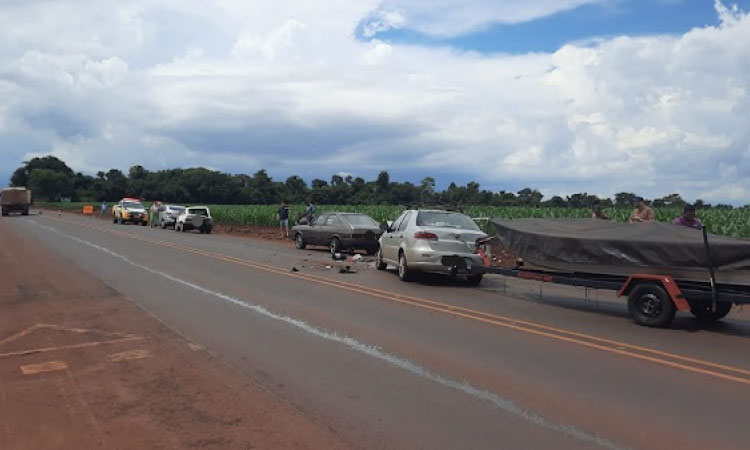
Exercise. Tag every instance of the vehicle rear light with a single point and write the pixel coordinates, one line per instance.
(425, 235)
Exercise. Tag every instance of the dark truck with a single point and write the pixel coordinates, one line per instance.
(15, 199)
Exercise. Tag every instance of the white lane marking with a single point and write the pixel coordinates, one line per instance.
(374, 352)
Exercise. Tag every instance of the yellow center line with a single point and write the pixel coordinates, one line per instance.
(591, 341)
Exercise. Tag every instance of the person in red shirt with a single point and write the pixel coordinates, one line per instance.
(688, 219)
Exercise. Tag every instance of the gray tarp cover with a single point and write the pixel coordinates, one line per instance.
(601, 242)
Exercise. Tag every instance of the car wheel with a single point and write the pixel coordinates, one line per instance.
(299, 241)
(335, 246)
(404, 273)
(208, 230)
(114, 219)
(474, 280)
(371, 251)
(121, 221)
(379, 263)
(176, 228)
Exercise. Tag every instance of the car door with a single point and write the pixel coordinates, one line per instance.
(389, 242)
(314, 235)
(400, 234)
(332, 227)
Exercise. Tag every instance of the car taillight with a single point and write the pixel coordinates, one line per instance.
(425, 235)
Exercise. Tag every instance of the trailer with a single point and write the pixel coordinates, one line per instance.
(653, 299)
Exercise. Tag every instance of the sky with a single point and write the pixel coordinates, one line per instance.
(598, 96)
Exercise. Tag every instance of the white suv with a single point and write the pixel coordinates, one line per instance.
(168, 215)
(194, 218)
(431, 241)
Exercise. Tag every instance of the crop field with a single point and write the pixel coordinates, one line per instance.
(734, 222)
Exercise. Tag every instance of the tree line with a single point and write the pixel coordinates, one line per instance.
(51, 179)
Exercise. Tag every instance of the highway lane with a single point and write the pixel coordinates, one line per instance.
(670, 387)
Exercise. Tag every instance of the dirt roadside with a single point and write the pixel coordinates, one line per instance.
(83, 367)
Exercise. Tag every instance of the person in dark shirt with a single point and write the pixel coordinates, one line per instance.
(284, 219)
(310, 213)
(598, 213)
(688, 219)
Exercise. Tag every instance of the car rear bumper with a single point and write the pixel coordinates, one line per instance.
(360, 243)
(426, 261)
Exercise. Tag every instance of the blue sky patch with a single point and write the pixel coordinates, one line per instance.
(622, 17)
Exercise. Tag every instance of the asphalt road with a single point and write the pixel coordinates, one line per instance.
(431, 364)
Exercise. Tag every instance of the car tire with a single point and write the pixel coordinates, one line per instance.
(114, 219)
(120, 221)
(650, 305)
(404, 273)
(335, 246)
(299, 241)
(474, 280)
(379, 263)
(176, 228)
(143, 224)
(208, 230)
(702, 310)
(373, 250)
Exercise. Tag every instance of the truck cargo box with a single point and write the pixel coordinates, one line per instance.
(15, 199)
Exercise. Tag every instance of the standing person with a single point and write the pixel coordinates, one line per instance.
(284, 219)
(642, 212)
(598, 213)
(104, 208)
(310, 213)
(688, 219)
(152, 221)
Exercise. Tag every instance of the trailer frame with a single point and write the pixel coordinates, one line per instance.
(652, 299)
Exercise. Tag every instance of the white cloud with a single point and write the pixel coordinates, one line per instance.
(287, 87)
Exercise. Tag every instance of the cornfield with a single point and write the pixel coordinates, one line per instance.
(734, 222)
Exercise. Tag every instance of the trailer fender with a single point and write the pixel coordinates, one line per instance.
(667, 283)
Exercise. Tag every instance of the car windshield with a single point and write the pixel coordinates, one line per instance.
(360, 220)
(198, 211)
(176, 208)
(445, 220)
(133, 205)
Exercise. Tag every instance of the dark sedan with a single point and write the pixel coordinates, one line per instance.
(340, 231)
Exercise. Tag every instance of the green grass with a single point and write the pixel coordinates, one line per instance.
(735, 222)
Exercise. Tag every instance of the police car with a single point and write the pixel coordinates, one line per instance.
(129, 210)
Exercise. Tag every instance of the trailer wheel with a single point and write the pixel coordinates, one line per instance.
(702, 310)
(649, 305)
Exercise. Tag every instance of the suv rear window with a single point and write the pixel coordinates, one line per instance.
(198, 211)
(445, 220)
